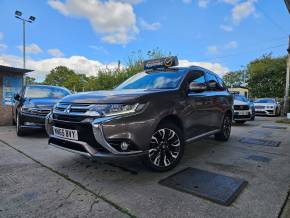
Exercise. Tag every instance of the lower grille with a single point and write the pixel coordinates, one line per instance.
(242, 116)
(241, 107)
(68, 145)
(260, 107)
(85, 132)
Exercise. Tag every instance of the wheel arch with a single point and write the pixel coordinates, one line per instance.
(173, 119)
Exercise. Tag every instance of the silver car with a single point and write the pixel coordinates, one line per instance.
(267, 106)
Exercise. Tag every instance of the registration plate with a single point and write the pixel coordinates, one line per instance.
(65, 133)
(243, 112)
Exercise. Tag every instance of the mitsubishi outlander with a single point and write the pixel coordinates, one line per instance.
(152, 115)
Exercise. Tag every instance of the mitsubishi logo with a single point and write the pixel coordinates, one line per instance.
(67, 110)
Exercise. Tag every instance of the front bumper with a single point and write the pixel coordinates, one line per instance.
(268, 112)
(32, 121)
(245, 116)
(95, 138)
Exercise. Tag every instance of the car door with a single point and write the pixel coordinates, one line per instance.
(217, 97)
(199, 114)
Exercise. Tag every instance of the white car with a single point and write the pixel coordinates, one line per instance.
(267, 106)
(242, 109)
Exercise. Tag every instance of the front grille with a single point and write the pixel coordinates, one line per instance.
(242, 116)
(72, 109)
(85, 132)
(241, 107)
(68, 145)
(37, 111)
(63, 117)
(259, 107)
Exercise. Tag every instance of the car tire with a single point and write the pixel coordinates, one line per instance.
(225, 132)
(19, 131)
(166, 148)
(13, 122)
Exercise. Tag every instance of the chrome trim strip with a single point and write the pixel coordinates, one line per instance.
(72, 113)
(202, 135)
(71, 150)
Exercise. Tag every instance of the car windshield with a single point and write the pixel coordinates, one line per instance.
(45, 92)
(241, 98)
(153, 80)
(265, 101)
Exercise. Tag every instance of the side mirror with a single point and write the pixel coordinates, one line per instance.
(212, 84)
(17, 97)
(197, 87)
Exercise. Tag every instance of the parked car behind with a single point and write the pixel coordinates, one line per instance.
(33, 103)
(243, 109)
(252, 106)
(267, 106)
(150, 116)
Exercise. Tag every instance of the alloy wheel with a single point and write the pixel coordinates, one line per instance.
(165, 147)
(227, 126)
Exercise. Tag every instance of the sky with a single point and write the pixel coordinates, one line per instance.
(86, 35)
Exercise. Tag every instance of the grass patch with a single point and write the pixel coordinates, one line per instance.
(285, 120)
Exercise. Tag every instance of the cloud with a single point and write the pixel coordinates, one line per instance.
(232, 2)
(216, 49)
(215, 67)
(132, 2)
(243, 10)
(203, 3)
(213, 49)
(30, 49)
(55, 52)
(231, 45)
(1, 35)
(2, 47)
(149, 26)
(226, 28)
(114, 20)
(42, 67)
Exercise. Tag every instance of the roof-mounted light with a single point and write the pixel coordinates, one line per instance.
(161, 63)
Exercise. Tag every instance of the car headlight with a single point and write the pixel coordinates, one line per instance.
(108, 110)
(27, 107)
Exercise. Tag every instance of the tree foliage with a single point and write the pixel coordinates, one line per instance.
(267, 76)
(29, 80)
(234, 78)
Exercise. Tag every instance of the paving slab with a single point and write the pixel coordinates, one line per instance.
(28, 189)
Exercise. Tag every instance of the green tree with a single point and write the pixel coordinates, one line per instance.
(233, 79)
(58, 76)
(63, 76)
(267, 76)
(29, 80)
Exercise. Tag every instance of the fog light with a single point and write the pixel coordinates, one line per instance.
(124, 146)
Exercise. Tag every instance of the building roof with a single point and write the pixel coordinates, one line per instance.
(6, 69)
